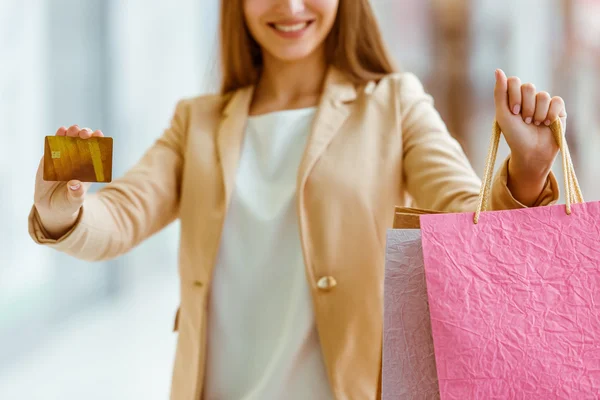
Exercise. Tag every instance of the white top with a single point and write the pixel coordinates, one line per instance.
(262, 339)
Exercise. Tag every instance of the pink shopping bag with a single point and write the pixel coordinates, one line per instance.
(408, 367)
(514, 296)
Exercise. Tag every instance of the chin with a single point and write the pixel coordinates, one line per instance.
(292, 53)
(292, 56)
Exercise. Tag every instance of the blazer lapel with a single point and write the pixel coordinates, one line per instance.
(333, 110)
(230, 136)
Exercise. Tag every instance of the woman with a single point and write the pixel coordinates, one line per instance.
(285, 184)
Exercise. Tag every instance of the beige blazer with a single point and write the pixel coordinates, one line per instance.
(371, 148)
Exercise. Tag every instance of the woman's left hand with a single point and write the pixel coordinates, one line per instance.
(524, 115)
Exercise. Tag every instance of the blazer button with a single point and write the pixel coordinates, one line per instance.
(326, 283)
(198, 283)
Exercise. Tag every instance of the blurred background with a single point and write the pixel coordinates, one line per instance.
(76, 330)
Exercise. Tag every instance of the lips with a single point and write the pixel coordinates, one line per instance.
(290, 27)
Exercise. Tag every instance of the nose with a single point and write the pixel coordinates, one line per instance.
(294, 6)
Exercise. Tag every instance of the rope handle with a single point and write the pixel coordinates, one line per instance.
(573, 192)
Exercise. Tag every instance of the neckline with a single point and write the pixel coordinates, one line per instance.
(303, 110)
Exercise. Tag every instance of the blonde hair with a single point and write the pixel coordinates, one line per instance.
(354, 45)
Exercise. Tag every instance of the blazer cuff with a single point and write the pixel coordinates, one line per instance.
(502, 198)
(40, 235)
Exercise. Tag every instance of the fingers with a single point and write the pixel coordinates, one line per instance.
(557, 110)
(528, 102)
(501, 90)
(514, 95)
(542, 106)
(73, 131)
(76, 131)
(85, 133)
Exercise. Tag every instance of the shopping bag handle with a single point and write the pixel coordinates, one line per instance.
(572, 190)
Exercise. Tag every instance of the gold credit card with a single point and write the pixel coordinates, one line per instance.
(87, 160)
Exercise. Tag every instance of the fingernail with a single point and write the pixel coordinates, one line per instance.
(528, 120)
(547, 122)
(516, 109)
(75, 187)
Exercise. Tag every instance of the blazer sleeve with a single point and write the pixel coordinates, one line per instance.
(437, 173)
(130, 209)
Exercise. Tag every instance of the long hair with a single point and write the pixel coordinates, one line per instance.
(354, 45)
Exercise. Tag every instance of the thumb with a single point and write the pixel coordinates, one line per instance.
(75, 194)
(501, 92)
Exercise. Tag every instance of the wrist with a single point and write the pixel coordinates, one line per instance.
(528, 170)
(526, 181)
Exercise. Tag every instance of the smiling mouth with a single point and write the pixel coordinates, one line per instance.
(290, 28)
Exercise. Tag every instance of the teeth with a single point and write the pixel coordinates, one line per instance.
(291, 28)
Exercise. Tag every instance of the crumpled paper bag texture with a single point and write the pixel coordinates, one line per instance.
(515, 302)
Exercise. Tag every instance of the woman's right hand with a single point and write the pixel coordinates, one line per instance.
(58, 203)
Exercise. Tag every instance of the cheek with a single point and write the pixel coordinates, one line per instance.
(327, 9)
(254, 10)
